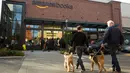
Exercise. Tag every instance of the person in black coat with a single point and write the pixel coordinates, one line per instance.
(62, 44)
(42, 44)
(50, 44)
(114, 38)
(79, 39)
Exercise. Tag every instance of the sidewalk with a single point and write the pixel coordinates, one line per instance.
(50, 62)
(10, 64)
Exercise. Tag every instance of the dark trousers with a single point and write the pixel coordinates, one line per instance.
(49, 49)
(41, 46)
(115, 63)
(79, 51)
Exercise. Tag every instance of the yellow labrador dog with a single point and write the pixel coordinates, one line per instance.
(68, 61)
(97, 59)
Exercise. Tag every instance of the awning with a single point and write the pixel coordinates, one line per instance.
(70, 23)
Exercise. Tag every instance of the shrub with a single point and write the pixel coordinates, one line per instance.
(3, 52)
(62, 52)
(19, 53)
(7, 52)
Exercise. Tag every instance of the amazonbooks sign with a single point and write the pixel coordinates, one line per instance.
(51, 4)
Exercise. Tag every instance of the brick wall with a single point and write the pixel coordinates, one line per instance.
(83, 10)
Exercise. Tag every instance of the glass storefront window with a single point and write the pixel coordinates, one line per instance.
(15, 7)
(33, 26)
(31, 34)
(57, 34)
(18, 8)
(15, 31)
(85, 29)
(16, 24)
(19, 23)
(48, 26)
(74, 28)
(101, 29)
(17, 16)
(52, 34)
(92, 29)
(57, 27)
(69, 28)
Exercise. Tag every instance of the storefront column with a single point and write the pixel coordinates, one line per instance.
(22, 35)
(62, 27)
(42, 31)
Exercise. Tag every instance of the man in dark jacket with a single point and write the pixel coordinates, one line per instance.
(113, 37)
(62, 44)
(79, 39)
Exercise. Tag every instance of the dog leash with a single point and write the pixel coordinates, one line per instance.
(98, 51)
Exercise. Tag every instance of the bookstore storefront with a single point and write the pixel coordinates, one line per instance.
(36, 19)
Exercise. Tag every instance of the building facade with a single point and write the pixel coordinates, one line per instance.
(34, 19)
(125, 14)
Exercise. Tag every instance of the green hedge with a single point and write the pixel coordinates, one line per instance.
(7, 52)
(62, 51)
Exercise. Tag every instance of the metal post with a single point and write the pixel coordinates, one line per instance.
(97, 33)
(66, 21)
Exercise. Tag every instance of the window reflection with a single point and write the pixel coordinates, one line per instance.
(48, 26)
(34, 35)
(17, 16)
(18, 8)
(89, 29)
(15, 7)
(16, 24)
(101, 29)
(17, 11)
(33, 26)
(15, 32)
(52, 34)
(57, 27)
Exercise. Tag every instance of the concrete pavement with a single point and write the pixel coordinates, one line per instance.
(10, 65)
(52, 62)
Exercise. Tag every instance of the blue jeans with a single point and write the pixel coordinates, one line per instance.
(115, 63)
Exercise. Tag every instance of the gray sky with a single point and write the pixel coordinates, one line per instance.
(125, 1)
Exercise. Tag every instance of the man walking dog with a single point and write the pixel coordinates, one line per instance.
(79, 39)
(113, 37)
